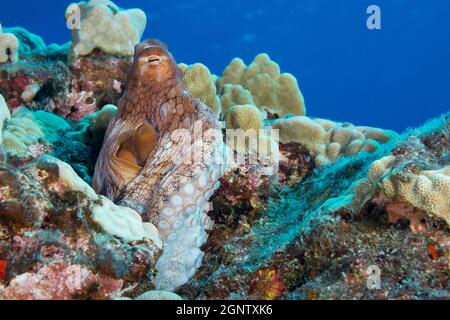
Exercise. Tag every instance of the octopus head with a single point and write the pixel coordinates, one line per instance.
(153, 63)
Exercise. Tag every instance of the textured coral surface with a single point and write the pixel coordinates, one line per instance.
(53, 248)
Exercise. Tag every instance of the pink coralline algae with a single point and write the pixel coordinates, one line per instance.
(54, 250)
(400, 210)
(15, 87)
(39, 86)
(59, 281)
(81, 104)
(295, 164)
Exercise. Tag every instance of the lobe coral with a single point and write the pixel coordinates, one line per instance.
(162, 157)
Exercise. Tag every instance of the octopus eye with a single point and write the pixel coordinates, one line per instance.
(154, 60)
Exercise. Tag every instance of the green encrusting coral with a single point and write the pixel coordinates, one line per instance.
(33, 133)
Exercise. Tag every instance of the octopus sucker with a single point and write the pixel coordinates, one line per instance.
(148, 160)
(183, 224)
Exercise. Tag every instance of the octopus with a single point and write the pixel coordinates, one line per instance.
(163, 156)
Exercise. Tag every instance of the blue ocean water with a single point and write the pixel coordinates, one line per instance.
(393, 78)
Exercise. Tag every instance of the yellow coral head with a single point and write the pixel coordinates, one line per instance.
(153, 63)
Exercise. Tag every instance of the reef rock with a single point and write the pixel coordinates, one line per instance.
(322, 236)
(59, 240)
(5, 115)
(45, 81)
(39, 82)
(98, 79)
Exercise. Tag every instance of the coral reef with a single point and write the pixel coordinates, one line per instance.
(9, 47)
(97, 80)
(29, 132)
(49, 238)
(158, 295)
(33, 48)
(93, 126)
(5, 116)
(308, 210)
(60, 281)
(247, 134)
(319, 237)
(279, 93)
(29, 45)
(37, 85)
(423, 190)
(124, 223)
(201, 84)
(154, 295)
(406, 188)
(234, 95)
(267, 285)
(327, 140)
(106, 27)
(245, 117)
(44, 81)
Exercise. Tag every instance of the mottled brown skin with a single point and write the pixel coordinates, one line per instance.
(135, 166)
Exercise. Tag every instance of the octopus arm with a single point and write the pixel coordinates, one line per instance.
(174, 188)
